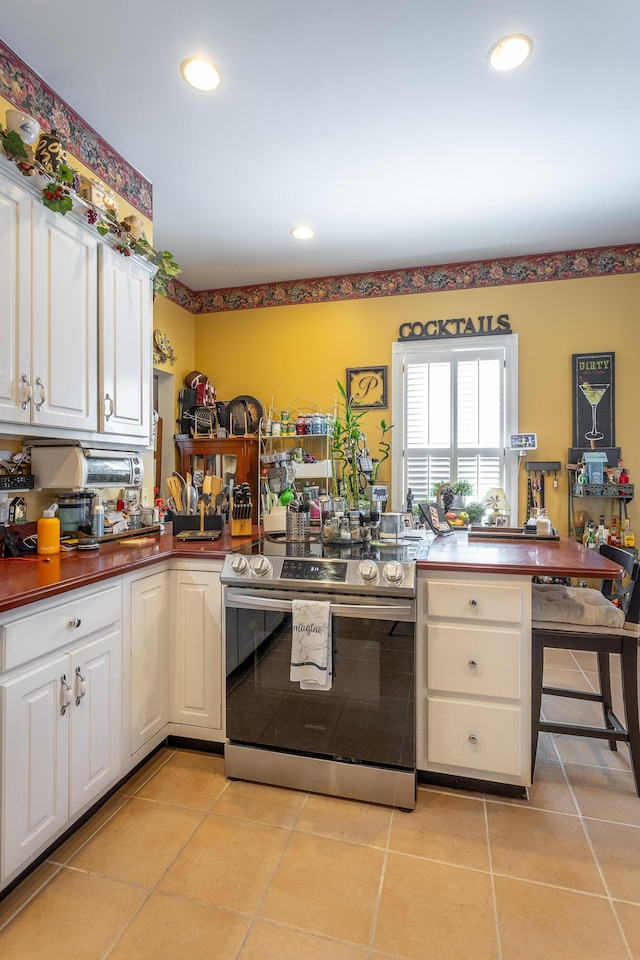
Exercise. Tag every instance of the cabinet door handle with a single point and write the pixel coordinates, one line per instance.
(473, 739)
(26, 391)
(67, 695)
(473, 663)
(42, 392)
(75, 623)
(108, 400)
(81, 686)
(473, 602)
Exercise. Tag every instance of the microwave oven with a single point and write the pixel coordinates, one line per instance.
(77, 467)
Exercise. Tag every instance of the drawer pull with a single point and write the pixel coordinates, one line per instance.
(75, 623)
(473, 602)
(67, 695)
(473, 663)
(81, 686)
(473, 739)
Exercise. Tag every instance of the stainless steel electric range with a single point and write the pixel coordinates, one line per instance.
(356, 739)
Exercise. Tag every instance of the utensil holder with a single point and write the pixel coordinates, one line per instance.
(297, 527)
(181, 523)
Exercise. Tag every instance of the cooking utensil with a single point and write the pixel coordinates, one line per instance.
(175, 491)
(212, 485)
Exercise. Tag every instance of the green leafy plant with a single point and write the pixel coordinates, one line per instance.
(475, 510)
(460, 488)
(56, 195)
(167, 266)
(13, 145)
(346, 440)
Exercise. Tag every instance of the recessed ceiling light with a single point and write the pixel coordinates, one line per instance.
(302, 233)
(510, 52)
(201, 74)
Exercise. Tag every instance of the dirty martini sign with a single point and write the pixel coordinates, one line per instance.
(593, 399)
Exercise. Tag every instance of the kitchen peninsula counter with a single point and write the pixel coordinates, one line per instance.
(536, 558)
(24, 581)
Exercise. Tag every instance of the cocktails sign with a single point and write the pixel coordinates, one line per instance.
(455, 327)
(593, 399)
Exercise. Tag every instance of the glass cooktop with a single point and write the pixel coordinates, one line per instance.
(276, 545)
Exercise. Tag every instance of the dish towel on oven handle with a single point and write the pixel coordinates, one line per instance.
(311, 644)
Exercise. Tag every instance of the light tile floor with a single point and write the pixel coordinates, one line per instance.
(183, 863)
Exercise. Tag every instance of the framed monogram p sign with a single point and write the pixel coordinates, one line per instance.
(367, 387)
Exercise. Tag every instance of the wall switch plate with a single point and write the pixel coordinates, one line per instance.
(146, 498)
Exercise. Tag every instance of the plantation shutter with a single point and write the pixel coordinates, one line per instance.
(454, 417)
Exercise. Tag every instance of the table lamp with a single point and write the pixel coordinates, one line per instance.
(496, 503)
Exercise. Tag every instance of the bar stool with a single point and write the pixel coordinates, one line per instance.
(602, 641)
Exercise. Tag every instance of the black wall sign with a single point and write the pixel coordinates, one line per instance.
(455, 327)
(594, 409)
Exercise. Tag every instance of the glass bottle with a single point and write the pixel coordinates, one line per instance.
(628, 536)
(623, 476)
(614, 534)
(590, 542)
(600, 533)
(543, 526)
(583, 476)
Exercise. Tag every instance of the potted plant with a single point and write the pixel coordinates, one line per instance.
(475, 511)
(347, 441)
(452, 494)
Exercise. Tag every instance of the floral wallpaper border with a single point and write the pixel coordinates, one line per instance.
(571, 265)
(28, 92)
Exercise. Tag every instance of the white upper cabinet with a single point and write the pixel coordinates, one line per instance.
(15, 312)
(76, 330)
(125, 345)
(64, 349)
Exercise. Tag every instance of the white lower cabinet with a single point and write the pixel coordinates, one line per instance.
(173, 672)
(197, 675)
(473, 669)
(147, 642)
(61, 717)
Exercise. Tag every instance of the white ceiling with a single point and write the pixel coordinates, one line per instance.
(377, 122)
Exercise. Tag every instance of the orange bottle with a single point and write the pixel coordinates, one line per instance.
(49, 532)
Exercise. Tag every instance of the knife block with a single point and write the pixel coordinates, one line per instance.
(239, 528)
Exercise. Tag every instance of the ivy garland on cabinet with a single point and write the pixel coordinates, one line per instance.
(60, 195)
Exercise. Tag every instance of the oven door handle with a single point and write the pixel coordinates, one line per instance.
(382, 611)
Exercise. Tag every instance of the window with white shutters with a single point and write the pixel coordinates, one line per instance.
(454, 407)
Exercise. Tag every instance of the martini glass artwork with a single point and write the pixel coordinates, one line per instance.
(594, 392)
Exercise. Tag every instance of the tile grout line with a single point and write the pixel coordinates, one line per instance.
(256, 914)
(59, 864)
(593, 852)
(383, 872)
(492, 879)
(154, 888)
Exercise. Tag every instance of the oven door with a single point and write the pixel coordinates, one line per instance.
(368, 715)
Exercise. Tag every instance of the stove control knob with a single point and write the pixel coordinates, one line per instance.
(393, 572)
(368, 571)
(261, 566)
(239, 564)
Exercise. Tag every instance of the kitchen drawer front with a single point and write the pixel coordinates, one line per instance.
(59, 625)
(470, 601)
(475, 736)
(482, 661)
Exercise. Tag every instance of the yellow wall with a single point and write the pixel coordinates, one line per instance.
(178, 325)
(293, 351)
